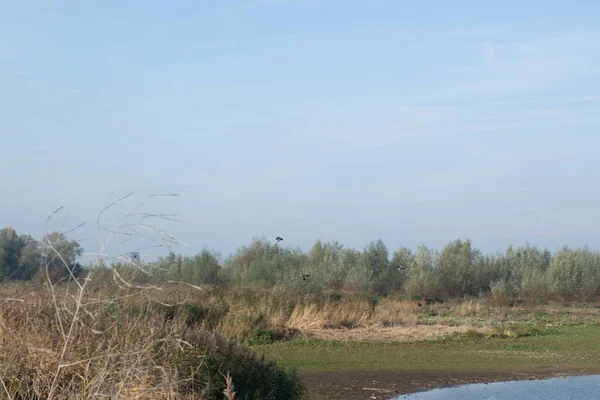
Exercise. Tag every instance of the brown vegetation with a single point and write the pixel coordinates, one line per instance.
(122, 346)
(181, 341)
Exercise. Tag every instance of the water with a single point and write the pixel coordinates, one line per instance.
(579, 387)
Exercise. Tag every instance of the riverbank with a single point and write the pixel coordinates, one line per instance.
(388, 385)
(346, 346)
(382, 370)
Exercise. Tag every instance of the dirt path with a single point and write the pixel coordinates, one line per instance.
(387, 385)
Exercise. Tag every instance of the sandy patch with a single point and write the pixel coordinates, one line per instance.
(393, 333)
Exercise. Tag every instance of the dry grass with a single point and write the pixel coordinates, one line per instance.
(228, 391)
(100, 360)
(128, 349)
(239, 312)
(409, 333)
(104, 336)
(150, 343)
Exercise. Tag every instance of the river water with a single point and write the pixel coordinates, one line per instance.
(578, 387)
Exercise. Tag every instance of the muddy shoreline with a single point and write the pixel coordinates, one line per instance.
(388, 385)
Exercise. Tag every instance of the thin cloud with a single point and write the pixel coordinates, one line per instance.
(488, 51)
(532, 65)
(15, 73)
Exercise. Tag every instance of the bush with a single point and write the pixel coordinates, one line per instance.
(134, 354)
(212, 357)
(501, 292)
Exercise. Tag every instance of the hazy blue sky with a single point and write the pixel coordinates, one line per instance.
(350, 120)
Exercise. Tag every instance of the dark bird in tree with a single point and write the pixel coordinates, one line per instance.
(304, 276)
(401, 268)
(278, 239)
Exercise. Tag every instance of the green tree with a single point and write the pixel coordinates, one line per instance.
(59, 255)
(423, 280)
(402, 262)
(324, 266)
(376, 263)
(355, 276)
(574, 272)
(19, 255)
(205, 267)
(241, 266)
(459, 266)
(528, 266)
(29, 259)
(10, 252)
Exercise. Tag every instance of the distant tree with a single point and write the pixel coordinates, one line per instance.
(59, 255)
(423, 279)
(317, 253)
(355, 276)
(528, 266)
(19, 255)
(574, 272)
(204, 267)
(29, 259)
(459, 266)
(240, 264)
(324, 266)
(403, 260)
(332, 261)
(10, 252)
(375, 260)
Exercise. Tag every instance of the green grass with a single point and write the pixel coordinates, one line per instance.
(572, 347)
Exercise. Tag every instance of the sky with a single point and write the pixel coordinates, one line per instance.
(348, 120)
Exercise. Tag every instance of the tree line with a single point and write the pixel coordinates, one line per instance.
(457, 270)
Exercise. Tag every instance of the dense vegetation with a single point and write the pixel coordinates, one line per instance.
(122, 344)
(23, 258)
(457, 270)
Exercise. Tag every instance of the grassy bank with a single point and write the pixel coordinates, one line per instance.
(575, 347)
(382, 370)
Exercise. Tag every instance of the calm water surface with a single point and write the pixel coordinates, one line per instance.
(580, 388)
